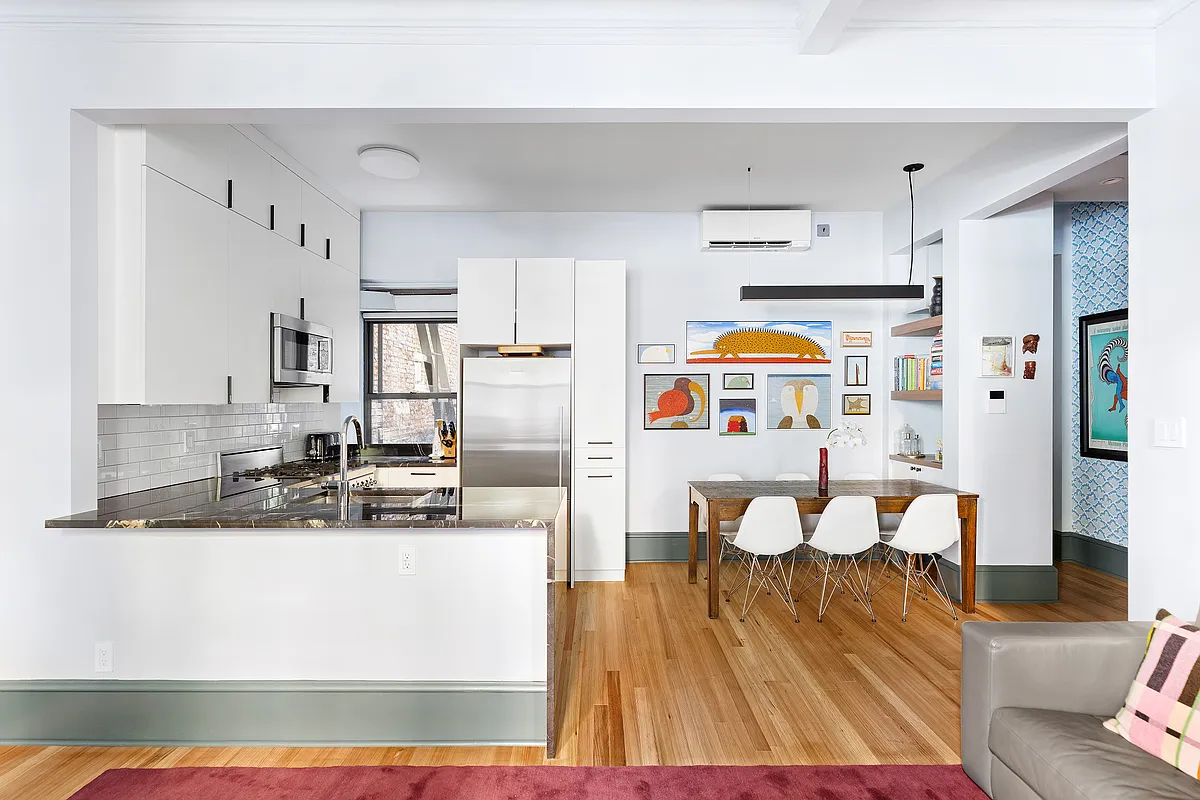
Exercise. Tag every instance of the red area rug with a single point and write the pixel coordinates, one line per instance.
(542, 783)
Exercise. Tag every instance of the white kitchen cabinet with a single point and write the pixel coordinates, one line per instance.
(598, 526)
(487, 300)
(599, 353)
(285, 197)
(422, 477)
(544, 300)
(264, 278)
(331, 298)
(185, 272)
(250, 179)
(344, 239)
(316, 215)
(195, 155)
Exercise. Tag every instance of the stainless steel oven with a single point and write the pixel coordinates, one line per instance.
(301, 352)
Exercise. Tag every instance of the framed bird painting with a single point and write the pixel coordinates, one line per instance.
(799, 402)
(1104, 385)
(676, 402)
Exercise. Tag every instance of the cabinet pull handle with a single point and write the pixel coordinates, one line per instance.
(429, 474)
(272, 220)
(600, 458)
(229, 389)
(599, 442)
(599, 476)
(302, 234)
(229, 194)
(327, 248)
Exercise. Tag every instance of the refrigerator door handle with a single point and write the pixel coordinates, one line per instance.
(570, 526)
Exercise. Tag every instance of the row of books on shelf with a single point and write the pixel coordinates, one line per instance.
(919, 373)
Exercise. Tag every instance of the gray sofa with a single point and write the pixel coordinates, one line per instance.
(1034, 697)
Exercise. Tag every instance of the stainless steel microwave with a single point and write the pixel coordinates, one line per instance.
(301, 352)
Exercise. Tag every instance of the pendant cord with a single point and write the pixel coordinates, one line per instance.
(912, 228)
(749, 207)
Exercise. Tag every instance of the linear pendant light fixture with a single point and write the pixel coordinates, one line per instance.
(857, 291)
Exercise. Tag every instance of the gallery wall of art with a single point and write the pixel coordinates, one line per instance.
(671, 282)
(1095, 279)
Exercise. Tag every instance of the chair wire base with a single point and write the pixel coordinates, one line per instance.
(918, 577)
(770, 573)
(837, 574)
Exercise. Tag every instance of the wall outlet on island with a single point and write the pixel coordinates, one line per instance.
(104, 656)
(408, 559)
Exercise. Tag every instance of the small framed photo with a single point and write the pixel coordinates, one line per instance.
(856, 371)
(856, 405)
(996, 357)
(856, 338)
(656, 354)
(739, 380)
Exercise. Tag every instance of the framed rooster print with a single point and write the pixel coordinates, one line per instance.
(1104, 385)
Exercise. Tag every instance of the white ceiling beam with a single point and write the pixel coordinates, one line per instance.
(823, 23)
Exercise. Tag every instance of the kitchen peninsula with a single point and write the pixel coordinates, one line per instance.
(427, 616)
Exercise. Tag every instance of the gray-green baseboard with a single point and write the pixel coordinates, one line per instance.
(993, 584)
(295, 713)
(1112, 559)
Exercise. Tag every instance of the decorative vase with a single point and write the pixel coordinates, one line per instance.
(823, 474)
(935, 298)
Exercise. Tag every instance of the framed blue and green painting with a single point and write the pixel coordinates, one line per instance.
(1104, 385)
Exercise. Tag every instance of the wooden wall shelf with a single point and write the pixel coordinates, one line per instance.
(922, 327)
(919, 462)
(934, 395)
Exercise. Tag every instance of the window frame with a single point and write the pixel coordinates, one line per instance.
(369, 323)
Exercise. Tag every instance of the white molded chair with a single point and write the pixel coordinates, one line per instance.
(929, 526)
(792, 476)
(809, 521)
(861, 476)
(842, 544)
(770, 530)
(729, 528)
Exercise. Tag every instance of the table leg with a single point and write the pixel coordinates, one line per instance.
(967, 556)
(693, 538)
(714, 560)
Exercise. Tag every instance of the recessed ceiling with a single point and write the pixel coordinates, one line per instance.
(635, 167)
(1089, 187)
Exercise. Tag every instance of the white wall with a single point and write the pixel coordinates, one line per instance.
(1064, 333)
(1164, 170)
(1003, 286)
(670, 282)
(52, 584)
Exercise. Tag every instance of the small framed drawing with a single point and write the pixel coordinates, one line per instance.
(856, 404)
(656, 354)
(996, 357)
(856, 338)
(856, 371)
(739, 380)
(738, 416)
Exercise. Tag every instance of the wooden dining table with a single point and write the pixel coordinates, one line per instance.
(728, 500)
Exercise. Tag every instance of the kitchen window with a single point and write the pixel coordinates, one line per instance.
(411, 379)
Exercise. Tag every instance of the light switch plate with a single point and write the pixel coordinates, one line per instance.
(996, 404)
(1170, 432)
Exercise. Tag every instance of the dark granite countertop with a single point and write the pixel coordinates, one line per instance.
(195, 505)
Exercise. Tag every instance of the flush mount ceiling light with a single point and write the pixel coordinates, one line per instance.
(1112, 180)
(388, 162)
(872, 291)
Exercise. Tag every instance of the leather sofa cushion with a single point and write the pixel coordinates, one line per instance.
(1067, 756)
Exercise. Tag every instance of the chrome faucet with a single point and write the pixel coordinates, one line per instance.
(343, 483)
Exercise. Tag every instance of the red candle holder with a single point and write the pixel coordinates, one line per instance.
(823, 474)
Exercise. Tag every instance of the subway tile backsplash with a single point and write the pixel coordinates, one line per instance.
(145, 447)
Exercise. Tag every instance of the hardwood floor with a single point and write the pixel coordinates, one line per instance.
(646, 678)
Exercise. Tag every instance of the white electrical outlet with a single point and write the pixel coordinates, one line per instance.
(104, 656)
(408, 559)
(189, 441)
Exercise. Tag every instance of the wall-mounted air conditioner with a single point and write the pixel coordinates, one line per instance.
(755, 230)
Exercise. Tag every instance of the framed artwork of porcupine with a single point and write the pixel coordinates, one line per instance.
(797, 343)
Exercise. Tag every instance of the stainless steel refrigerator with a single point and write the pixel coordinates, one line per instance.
(515, 422)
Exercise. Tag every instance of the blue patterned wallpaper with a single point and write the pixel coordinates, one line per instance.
(1099, 282)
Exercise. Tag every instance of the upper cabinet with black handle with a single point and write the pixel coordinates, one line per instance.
(250, 180)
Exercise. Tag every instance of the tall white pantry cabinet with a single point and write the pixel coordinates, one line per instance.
(556, 302)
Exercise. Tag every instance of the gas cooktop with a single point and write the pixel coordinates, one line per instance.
(294, 470)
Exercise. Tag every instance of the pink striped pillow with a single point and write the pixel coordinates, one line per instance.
(1161, 714)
